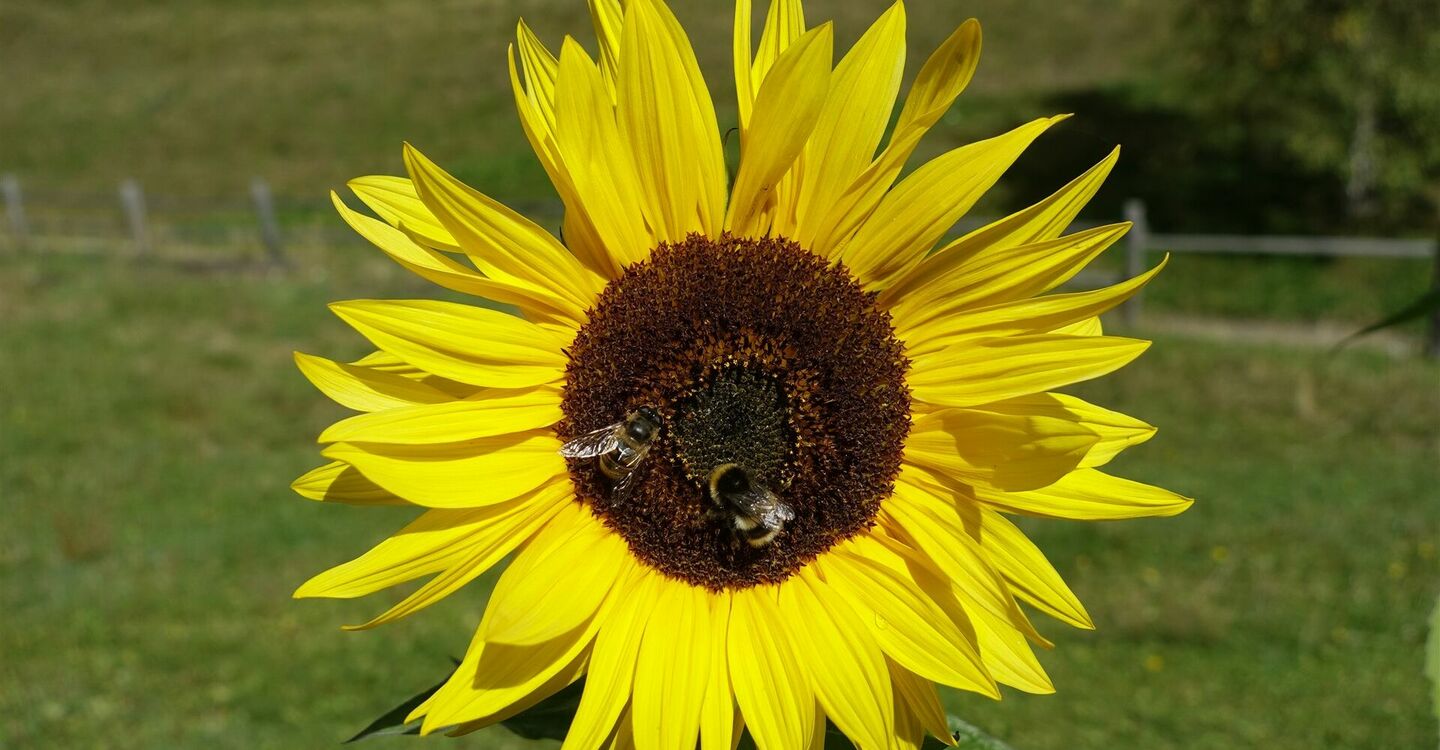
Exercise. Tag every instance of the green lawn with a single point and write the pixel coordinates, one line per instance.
(151, 420)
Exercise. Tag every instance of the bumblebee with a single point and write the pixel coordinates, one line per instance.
(750, 508)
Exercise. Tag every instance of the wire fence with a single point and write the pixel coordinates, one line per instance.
(259, 229)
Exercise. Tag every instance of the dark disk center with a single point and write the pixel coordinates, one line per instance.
(753, 353)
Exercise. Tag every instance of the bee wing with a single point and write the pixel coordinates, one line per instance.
(758, 503)
(781, 513)
(592, 444)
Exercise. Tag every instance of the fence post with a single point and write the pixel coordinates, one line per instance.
(15, 211)
(1136, 243)
(265, 213)
(132, 200)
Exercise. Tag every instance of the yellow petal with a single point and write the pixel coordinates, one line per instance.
(486, 414)
(470, 344)
(504, 244)
(717, 715)
(935, 529)
(1030, 575)
(926, 204)
(608, 19)
(438, 268)
(742, 62)
(673, 670)
(1087, 327)
(1089, 495)
(668, 120)
(612, 664)
(773, 693)
(862, 98)
(909, 627)
(1008, 656)
(1038, 315)
(784, 23)
(495, 679)
(458, 475)
(363, 388)
(785, 112)
(338, 482)
(1038, 224)
(606, 185)
(1115, 430)
(438, 540)
(997, 448)
(541, 70)
(558, 580)
(845, 664)
(922, 702)
(996, 369)
(940, 81)
(394, 199)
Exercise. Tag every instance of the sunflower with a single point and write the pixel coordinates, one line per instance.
(838, 417)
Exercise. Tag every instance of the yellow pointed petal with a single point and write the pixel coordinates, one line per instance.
(909, 627)
(487, 414)
(1008, 655)
(608, 18)
(338, 482)
(1037, 224)
(1030, 575)
(997, 448)
(1089, 495)
(955, 283)
(606, 185)
(470, 344)
(773, 693)
(612, 664)
(394, 199)
(495, 679)
(558, 580)
(935, 529)
(940, 81)
(440, 269)
(784, 23)
(741, 58)
(541, 70)
(503, 244)
(668, 120)
(1115, 430)
(922, 702)
(1052, 313)
(997, 369)
(458, 475)
(717, 714)
(785, 113)
(862, 98)
(673, 670)
(926, 204)
(437, 540)
(363, 388)
(845, 664)
(1086, 327)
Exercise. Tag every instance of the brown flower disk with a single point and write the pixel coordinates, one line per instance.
(756, 352)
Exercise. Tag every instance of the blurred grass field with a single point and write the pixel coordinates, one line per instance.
(152, 422)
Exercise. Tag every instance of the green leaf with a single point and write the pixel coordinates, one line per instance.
(392, 722)
(1427, 302)
(970, 737)
(549, 719)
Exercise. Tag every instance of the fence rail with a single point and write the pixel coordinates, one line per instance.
(28, 217)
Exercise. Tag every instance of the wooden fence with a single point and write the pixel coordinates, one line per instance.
(131, 218)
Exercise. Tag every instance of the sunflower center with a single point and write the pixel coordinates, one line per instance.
(755, 354)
